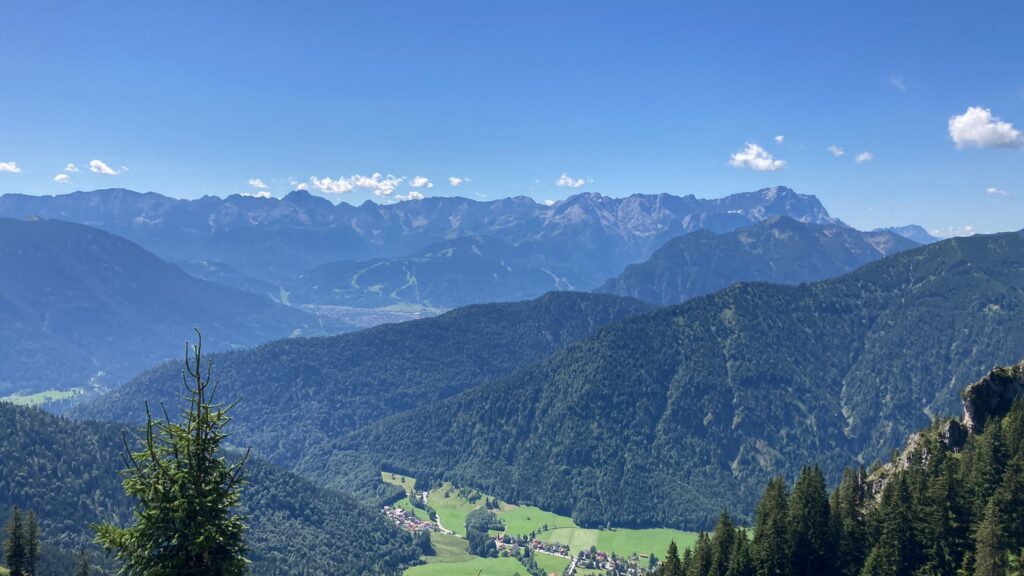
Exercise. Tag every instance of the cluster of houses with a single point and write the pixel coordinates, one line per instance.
(408, 521)
(511, 543)
(611, 564)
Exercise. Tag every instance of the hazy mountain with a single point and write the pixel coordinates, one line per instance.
(79, 305)
(228, 275)
(68, 474)
(591, 236)
(669, 417)
(779, 250)
(302, 392)
(911, 232)
(448, 274)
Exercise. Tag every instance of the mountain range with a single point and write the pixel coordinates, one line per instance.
(585, 238)
(778, 249)
(81, 307)
(692, 406)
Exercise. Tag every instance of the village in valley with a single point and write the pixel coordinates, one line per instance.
(530, 541)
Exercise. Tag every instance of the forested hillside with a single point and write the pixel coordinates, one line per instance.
(80, 306)
(779, 250)
(68, 474)
(948, 504)
(669, 417)
(303, 392)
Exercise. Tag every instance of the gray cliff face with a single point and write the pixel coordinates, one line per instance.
(992, 396)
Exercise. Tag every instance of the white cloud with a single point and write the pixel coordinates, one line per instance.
(456, 181)
(898, 83)
(9, 167)
(864, 157)
(549, 202)
(978, 128)
(950, 231)
(421, 182)
(996, 192)
(415, 195)
(260, 194)
(780, 139)
(257, 183)
(756, 158)
(302, 186)
(379, 184)
(71, 168)
(836, 150)
(100, 167)
(62, 178)
(569, 182)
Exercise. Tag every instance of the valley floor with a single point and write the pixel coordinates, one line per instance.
(558, 534)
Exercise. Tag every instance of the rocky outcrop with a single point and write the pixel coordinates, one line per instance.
(992, 396)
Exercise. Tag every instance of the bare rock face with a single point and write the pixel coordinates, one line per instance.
(992, 396)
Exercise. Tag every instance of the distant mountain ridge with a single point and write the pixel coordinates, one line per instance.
(585, 238)
(80, 305)
(778, 250)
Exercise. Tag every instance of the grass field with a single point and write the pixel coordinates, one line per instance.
(40, 398)
(451, 508)
(406, 482)
(550, 563)
(525, 519)
(621, 541)
(453, 559)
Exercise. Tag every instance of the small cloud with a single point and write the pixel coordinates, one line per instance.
(125, 169)
(257, 183)
(421, 182)
(549, 202)
(567, 181)
(379, 184)
(756, 158)
(62, 178)
(415, 195)
(780, 139)
(260, 194)
(951, 231)
(11, 167)
(302, 186)
(836, 150)
(99, 167)
(456, 181)
(864, 157)
(997, 192)
(71, 168)
(898, 83)
(978, 128)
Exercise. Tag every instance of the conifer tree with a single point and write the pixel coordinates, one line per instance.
(849, 523)
(722, 544)
(672, 566)
(810, 529)
(741, 562)
(771, 531)
(187, 493)
(896, 552)
(14, 547)
(702, 554)
(990, 556)
(31, 544)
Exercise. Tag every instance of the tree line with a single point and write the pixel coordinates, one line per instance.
(938, 509)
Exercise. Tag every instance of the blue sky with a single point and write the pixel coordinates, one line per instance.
(194, 98)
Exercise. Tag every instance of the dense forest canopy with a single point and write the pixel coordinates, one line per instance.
(669, 417)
